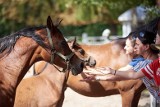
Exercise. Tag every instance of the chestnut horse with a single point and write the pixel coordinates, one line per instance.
(27, 46)
(112, 55)
(45, 89)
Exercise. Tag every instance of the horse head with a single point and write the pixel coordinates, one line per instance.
(60, 53)
(80, 52)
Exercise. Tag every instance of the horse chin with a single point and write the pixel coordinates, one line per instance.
(76, 71)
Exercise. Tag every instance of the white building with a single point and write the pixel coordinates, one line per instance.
(131, 19)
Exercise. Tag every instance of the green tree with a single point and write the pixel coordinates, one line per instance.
(16, 14)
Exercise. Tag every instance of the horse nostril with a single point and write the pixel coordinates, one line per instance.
(94, 63)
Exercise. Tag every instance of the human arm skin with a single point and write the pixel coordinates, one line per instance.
(119, 75)
(127, 67)
(94, 71)
(129, 74)
(115, 77)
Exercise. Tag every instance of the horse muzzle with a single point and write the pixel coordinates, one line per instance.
(76, 71)
(90, 62)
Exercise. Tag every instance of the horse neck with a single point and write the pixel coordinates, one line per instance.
(16, 64)
(51, 74)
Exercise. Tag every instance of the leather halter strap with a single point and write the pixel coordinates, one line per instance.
(53, 51)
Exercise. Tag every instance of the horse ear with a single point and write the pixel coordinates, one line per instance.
(73, 42)
(50, 23)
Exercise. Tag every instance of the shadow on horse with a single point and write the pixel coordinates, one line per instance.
(22, 49)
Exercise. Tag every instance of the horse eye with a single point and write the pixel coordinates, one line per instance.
(81, 51)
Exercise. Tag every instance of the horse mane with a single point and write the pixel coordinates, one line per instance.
(8, 42)
(152, 26)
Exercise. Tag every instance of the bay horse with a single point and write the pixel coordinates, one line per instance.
(27, 46)
(46, 88)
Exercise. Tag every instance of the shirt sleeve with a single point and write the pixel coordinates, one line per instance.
(150, 69)
(135, 61)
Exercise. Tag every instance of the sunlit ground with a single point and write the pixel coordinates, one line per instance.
(73, 99)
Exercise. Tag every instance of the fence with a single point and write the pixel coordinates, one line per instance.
(94, 39)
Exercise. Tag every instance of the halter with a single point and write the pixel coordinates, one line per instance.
(67, 58)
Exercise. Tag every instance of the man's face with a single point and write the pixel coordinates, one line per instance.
(158, 42)
(139, 47)
(157, 39)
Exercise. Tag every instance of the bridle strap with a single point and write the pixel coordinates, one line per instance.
(66, 58)
(34, 69)
(52, 46)
(53, 51)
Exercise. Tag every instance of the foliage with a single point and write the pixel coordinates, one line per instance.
(152, 10)
(99, 11)
(17, 14)
(92, 29)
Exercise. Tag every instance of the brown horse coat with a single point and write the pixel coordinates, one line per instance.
(112, 55)
(92, 89)
(43, 90)
(46, 89)
(21, 49)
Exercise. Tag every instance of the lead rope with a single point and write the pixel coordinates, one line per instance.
(34, 71)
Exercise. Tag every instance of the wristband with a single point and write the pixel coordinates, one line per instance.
(115, 72)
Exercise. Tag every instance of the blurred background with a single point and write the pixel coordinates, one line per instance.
(81, 18)
(90, 21)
